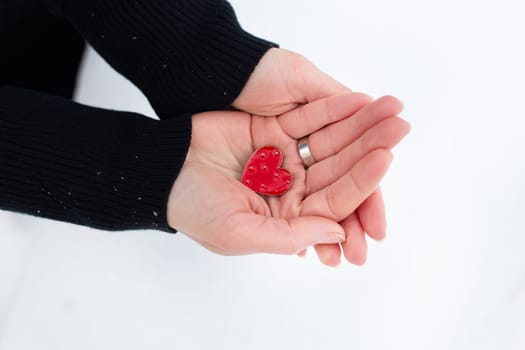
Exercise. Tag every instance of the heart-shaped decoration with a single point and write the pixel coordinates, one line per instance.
(263, 175)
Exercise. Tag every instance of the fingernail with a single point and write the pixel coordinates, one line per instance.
(381, 239)
(341, 236)
(302, 253)
(333, 237)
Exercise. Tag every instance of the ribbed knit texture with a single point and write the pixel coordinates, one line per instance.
(104, 169)
(185, 55)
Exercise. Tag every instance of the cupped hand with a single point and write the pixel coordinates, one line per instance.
(209, 203)
(284, 80)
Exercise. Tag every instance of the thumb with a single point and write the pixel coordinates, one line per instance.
(280, 236)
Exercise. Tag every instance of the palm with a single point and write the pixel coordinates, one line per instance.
(221, 144)
(228, 150)
(232, 219)
(282, 81)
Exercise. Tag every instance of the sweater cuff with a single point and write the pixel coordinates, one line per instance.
(157, 156)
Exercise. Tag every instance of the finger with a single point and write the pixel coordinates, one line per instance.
(252, 233)
(386, 134)
(338, 200)
(355, 248)
(333, 138)
(372, 216)
(302, 253)
(329, 254)
(309, 118)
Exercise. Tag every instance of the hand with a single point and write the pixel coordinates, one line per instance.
(284, 80)
(210, 205)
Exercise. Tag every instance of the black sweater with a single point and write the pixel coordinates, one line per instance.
(114, 170)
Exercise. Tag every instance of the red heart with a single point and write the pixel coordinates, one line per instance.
(263, 175)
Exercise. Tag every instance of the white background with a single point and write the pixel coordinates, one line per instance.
(451, 274)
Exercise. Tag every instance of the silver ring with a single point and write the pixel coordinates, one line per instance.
(304, 152)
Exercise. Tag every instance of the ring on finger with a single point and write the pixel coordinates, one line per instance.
(304, 152)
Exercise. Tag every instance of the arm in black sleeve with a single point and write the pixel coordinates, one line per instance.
(185, 55)
(99, 168)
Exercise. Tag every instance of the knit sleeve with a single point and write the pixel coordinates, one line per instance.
(185, 55)
(93, 167)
